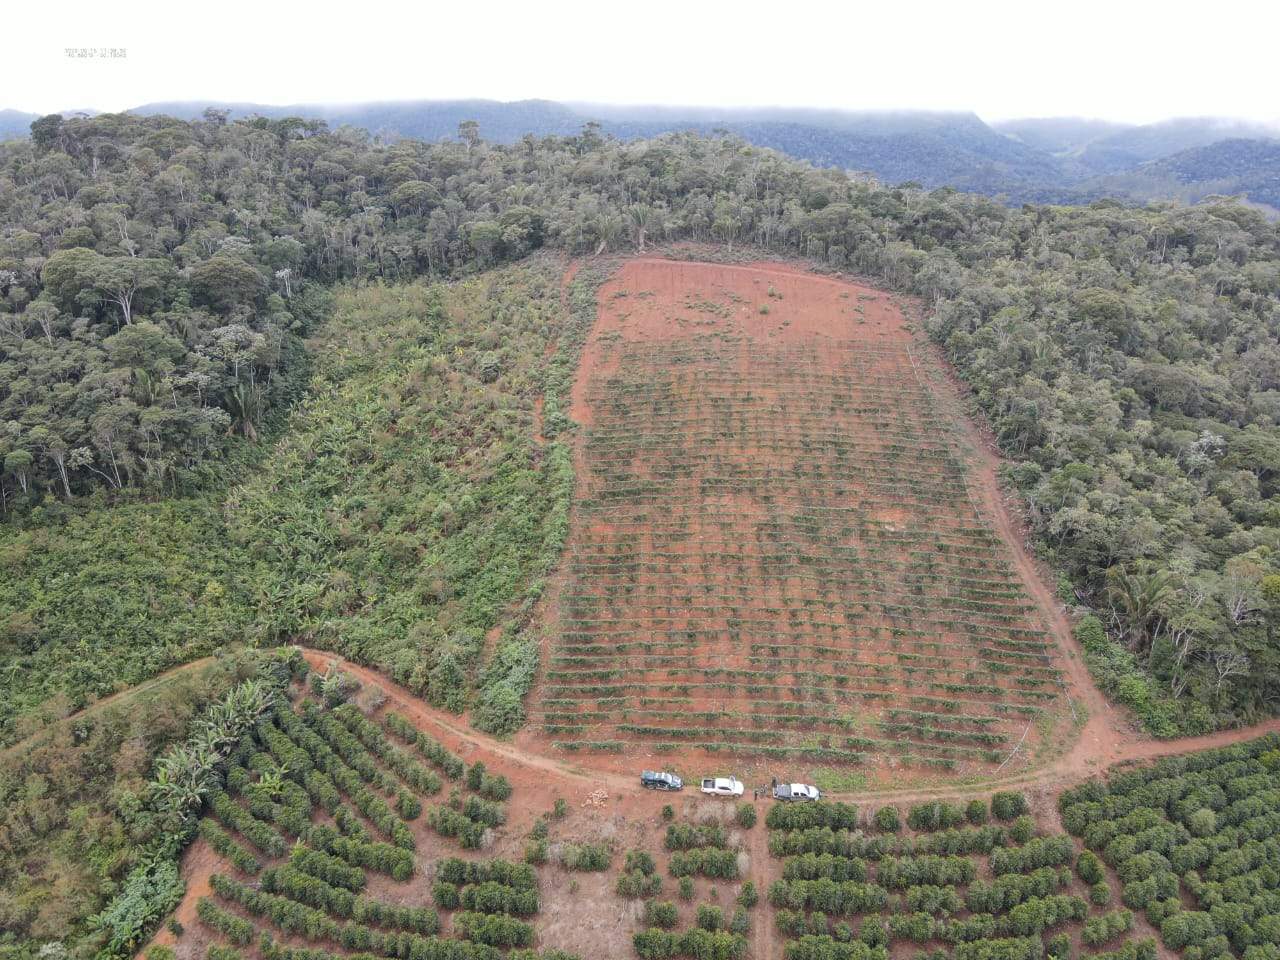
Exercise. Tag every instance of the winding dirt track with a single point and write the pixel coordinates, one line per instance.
(1106, 738)
(200, 862)
(159, 680)
(1081, 762)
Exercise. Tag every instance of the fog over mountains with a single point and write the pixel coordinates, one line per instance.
(1052, 160)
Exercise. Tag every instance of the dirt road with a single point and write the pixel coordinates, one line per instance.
(1082, 761)
(762, 938)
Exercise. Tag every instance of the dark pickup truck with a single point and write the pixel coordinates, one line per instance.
(659, 780)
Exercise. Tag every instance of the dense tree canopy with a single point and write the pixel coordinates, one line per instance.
(153, 274)
(1128, 361)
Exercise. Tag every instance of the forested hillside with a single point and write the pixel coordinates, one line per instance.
(15, 123)
(1059, 136)
(420, 119)
(156, 277)
(84, 804)
(1124, 149)
(1249, 168)
(932, 148)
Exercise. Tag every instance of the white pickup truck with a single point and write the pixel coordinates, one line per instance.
(796, 791)
(723, 786)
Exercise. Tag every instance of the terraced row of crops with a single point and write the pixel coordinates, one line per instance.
(955, 887)
(315, 832)
(775, 549)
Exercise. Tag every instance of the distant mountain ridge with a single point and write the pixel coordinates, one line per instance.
(1228, 167)
(500, 122)
(1053, 160)
(1058, 136)
(1126, 148)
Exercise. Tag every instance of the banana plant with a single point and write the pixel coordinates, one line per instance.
(184, 774)
(271, 781)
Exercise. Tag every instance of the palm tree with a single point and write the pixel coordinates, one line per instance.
(210, 740)
(272, 781)
(1138, 599)
(333, 686)
(246, 703)
(244, 403)
(181, 779)
(607, 228)
(642, 218)
(183, 775)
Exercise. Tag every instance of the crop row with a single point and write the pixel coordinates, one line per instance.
(1202, 829)
(852, 884)
(339, 761)
(739, 536)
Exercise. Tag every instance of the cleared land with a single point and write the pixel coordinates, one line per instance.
(774, 549)
(385, 799)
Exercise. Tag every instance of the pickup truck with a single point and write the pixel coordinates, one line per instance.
(723, 786)
(796, 791)
(660, 780)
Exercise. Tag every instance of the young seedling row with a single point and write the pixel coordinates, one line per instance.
(775, 551)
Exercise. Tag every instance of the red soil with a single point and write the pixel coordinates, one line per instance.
(747, 384)
(199, 864)
(655, 289)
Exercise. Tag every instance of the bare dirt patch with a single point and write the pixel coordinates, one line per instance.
(199, 864)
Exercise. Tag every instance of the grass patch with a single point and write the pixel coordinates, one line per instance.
(839, 780)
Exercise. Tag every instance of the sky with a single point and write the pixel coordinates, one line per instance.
(1123, 60)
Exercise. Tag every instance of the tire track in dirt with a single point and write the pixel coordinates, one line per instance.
(200, 862)
(450, 727)
(1106, 725)
(1106, 740)
(1108, 737)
